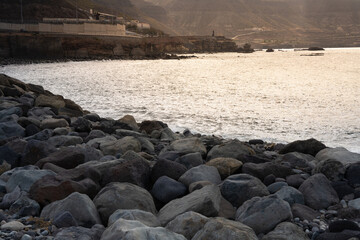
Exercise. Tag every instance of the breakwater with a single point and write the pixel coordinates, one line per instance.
(57, 46)
(69, 174)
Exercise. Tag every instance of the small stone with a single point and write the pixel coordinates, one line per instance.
(343, 203)
(13, 226)
(45, 233)
(26, 237)
(315, 229)
(296, 219)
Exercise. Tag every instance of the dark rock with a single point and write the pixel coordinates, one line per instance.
(81, 125)
(256, 141)
(262, 214)
(290, 195)
(130, 121)
(11, 129)
(269, 179)
(34, 151)
(122, 196)
(31, 129)
(200, 173)
(295, 180)
(273, 188)
(341, 225)
(42, 135)
(79, 205)
(75, 233)
(135, 171)
(172, 155)
(188, 145)
(120, 146)
(344, 235)
(255, 159)
(304, 212)
(205, 201)
(349, 213)
(299, 161)
(342, 188)
(232, 149)
(262, 170)
(63, 141)
(25, 206)
(52, 123)
(94, 134)
(318, 192)
(286, 231)
(332, 169)
(144, 217)
(67, 157)
(10, 198)
(241, 187)
(225, 166)
(199, 185)
(339, 154)
(310, 146)
(166, 189)
(40, 113)
(352, 174)
(168, 168)
(50, 101)
(64, 219)
(190, 160)
(10, 111)
(150, 126)
(9, 156)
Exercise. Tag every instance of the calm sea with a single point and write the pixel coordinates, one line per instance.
(278, 97)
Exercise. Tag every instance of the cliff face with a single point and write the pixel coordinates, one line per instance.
(39, 46)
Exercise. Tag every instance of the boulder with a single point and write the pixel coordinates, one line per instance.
(13, 226)
(352, 174)
(64, 220)
(63, 141)
(10, 111)
(187, 224)
(67, 157)
(81, 125)
(232, 149)
(332, 169)
(168, 135)
(221, 228)
(276, 186)
(286, 231)
(96, 142)
(355, 203)
(304, 212)
(341, 225)
(135, 171)
(9, 198)
(344, 235)
(25, 179)
(200, 173)
(77, 232)
(261, 170)
(25, 206)
(120, 146)
(52, 123)
(290, 195)
(241, 187)
(188, 145)
(135, 230)
(262, 214)
(342, 188)
(9, 156)
(318, 192)
(310, 146)
(150, 126)
(299, 161)
(40, 113)
(144, 217)
(94, 134)
(167, 168)
(339, 154)
(166, 189)
(11, 129)
(205, 201)
(130, 120)
(225, 166)
(295, 180)
(50, 101)
(122, 196)
(79, 205)
(190, 160)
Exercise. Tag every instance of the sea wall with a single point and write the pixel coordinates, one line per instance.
(55, 46)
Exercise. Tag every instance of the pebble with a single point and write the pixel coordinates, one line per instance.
(343, 204)
(14, 226)
(26, 237)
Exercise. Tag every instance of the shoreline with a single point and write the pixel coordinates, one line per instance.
(76, 168)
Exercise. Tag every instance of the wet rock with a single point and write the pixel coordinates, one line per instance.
(286, 231)
(190, 160)
(120, 146)
(135, 230)
(75, 233)
(241, 187)
(167, 168)
(67, 157)
(221, 228)
(318, 192)
(144, 217)
(232, 149)
(352, 174)
(310, 146)
(200, 173)
(188, 145)
(304, 212)
(263, 214)
(261, 170)
(122, 196)
(290, 195)
(64, 219)
(274, 187)
(187, 224)
(205, 201)
(79, 205)
(25, 179)
(166, 189)
(339, 154)
(11, 129)
(225, 166)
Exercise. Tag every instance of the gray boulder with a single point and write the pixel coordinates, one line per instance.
(120, 146)
(188, 145)
(232, 149)
(76, 233)
(25, 179)
(144, 217)
(201, 173)
(276, 186)
(190, 160)
(334, 170)
(166, 189)
(187, 224)
(318, 192)
(225, 166)
(64, 219)
(241, 187)
(52, 123)
(25, 206)
(79, 205)
(59, 141)
(355, 203)
(221, 228)
(263, 214)
(309, 146)
(290, 195)
(286, 231)
(205, 201)
(339, 154)
(134, 230)
(122, 196)
(10, 198)
(261, 170)
(299, 161)
(34, 151)
(304, 212)
(11, 129)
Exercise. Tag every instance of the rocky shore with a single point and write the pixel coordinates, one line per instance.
(66, 173)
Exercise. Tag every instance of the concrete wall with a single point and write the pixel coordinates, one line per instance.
(68, 28)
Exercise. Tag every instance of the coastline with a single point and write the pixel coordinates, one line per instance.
(71, 159)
